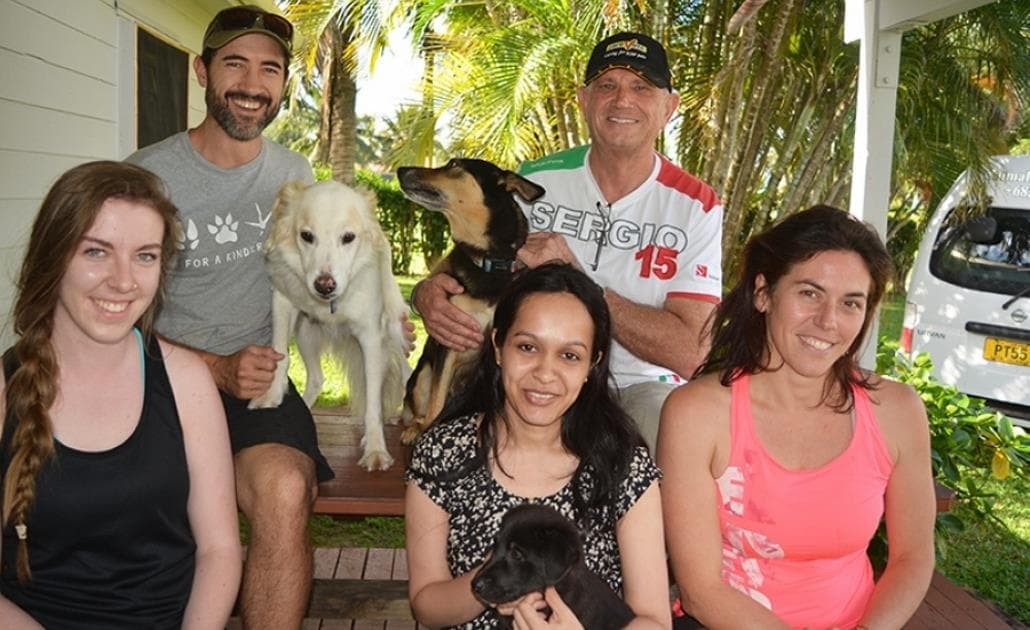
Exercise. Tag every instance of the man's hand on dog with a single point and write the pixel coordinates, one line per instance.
(545, 247)
(529, 613)
(452, 327)
(247, 373)
(408, 330)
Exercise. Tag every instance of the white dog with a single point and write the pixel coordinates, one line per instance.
(329, 262)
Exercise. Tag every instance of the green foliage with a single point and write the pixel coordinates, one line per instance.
(906, 223)
(892, 314)
(411, 228)
(972, 446)
(970, 442)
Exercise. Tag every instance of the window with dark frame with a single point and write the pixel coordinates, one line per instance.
(162, 76)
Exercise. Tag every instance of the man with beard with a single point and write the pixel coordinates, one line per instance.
(223, 176)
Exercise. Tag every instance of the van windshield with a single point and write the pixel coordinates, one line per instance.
(1001, 266)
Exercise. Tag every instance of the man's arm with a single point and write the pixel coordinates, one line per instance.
(246, 373)
(673, 336)
(670, 336)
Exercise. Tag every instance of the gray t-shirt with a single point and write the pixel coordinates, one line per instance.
(218, 296)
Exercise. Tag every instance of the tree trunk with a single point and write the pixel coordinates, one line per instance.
(343, 128)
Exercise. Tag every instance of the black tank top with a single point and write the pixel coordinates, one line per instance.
(110, 544)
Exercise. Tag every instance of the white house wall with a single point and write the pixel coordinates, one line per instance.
(68, 96)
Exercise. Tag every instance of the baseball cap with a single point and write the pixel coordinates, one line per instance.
(632, 51)
(235, 22)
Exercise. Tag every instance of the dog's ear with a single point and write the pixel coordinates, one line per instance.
(373, 228)
(371, 201)
(563, 550)
(515, 183)
(281, 229)
(288, 193)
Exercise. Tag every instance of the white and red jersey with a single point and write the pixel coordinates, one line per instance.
(663, 240)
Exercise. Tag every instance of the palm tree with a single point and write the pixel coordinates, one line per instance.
(296, 126)
(329, 36)
(768, 105)
(768, 96)
(505, 73)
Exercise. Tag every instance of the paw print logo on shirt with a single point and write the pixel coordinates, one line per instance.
(224, 229)
(187, 239)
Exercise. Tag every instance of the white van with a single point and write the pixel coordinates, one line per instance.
(969, 294)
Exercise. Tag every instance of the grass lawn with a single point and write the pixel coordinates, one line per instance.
(991, 558)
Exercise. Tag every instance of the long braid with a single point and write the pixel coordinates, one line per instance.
(29, 396)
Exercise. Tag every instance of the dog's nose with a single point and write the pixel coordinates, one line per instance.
(481, 584)
(325, 284)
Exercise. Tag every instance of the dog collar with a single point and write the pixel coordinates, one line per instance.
(495, 265)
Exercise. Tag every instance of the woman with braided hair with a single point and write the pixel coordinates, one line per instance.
(118, 498)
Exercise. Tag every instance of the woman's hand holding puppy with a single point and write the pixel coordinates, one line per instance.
(529, 612)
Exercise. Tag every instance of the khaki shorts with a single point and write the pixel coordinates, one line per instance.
(643, 402)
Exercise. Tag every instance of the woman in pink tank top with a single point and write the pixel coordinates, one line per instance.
(782, 456)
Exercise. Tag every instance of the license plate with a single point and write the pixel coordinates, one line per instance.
(1005, 351)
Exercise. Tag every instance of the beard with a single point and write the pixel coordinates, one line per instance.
(239, 129)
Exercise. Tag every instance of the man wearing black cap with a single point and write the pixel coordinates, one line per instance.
(641, 227)
(223, 176)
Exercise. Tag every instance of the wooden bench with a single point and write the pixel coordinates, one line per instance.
(355, 491)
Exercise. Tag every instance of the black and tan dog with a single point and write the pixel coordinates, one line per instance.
(537, 547)
(487, 227)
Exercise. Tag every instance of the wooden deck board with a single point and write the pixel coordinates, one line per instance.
(949, 604)
(946, 607)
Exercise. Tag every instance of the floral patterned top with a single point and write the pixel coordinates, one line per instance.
(476, 503)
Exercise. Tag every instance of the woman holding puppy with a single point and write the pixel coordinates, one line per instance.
(536, 423)
(782, 458)
(118, 498)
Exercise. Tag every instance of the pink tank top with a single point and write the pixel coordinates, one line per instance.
(795, 540)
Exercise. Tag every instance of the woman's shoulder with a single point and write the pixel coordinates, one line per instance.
(182, 361)
(700, 398)
(703, 388)
(889, 396)
(899, 411)
(695, 425)
(445, 445)
(193, 387)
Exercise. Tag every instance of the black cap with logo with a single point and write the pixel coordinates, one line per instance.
(632, 51)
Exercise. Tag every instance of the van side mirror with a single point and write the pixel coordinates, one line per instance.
(983, 230)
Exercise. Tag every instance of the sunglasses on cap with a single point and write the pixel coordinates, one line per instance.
(238, 20)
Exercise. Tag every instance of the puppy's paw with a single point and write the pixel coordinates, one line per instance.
(375, 460)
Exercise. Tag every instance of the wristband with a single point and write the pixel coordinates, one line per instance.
(414, 292)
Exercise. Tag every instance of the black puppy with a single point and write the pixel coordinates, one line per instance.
(537, 547)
